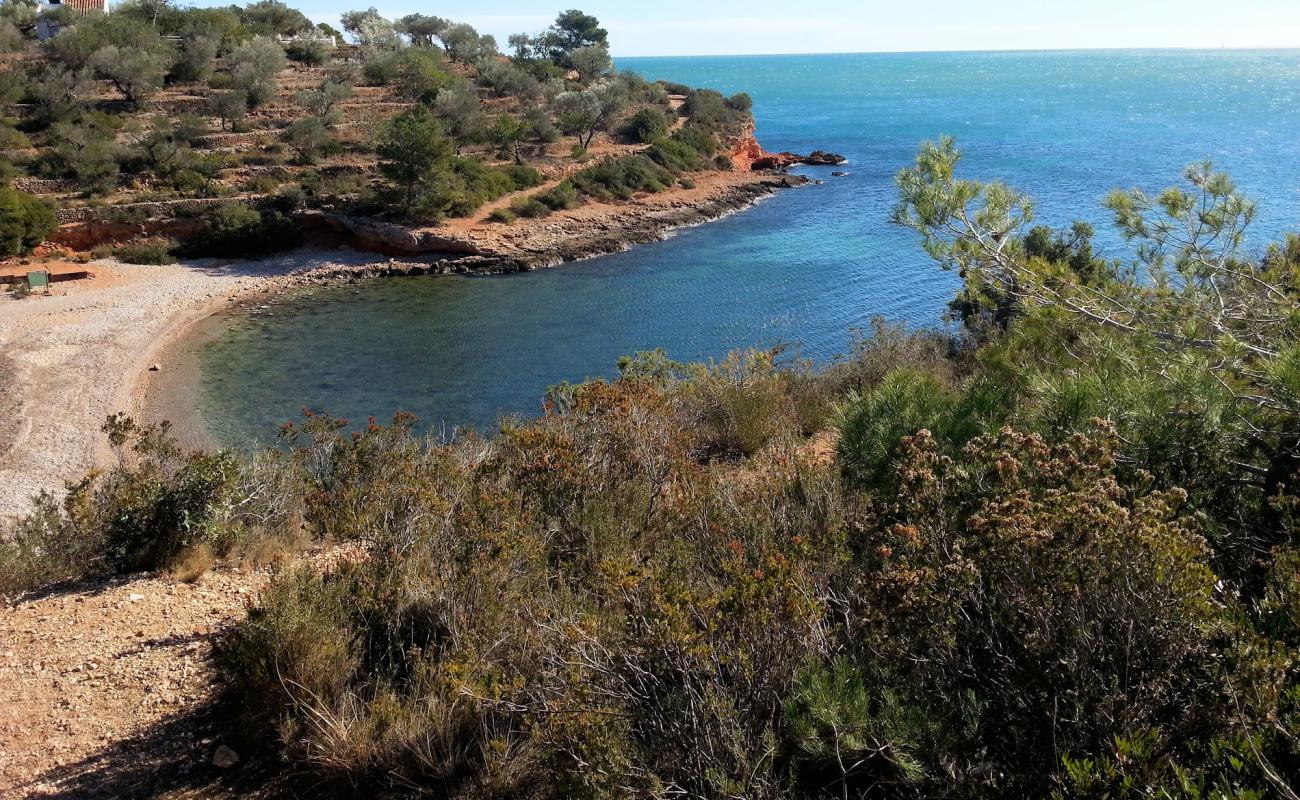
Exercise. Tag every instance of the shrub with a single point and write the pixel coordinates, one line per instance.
(25, 221)
(310, 51)
(523, 177)
(149, 251)
(504, 216)
(232, 230)
(646, 125)
(621, 178)
(562, 196)
(530, 208)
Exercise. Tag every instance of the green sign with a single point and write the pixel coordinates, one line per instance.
(38, 280)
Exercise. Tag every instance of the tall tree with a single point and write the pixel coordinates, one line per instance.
(413, 151)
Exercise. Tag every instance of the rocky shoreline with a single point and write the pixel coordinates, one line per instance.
(562, 239)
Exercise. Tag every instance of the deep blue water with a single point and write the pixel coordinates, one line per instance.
(802, 268)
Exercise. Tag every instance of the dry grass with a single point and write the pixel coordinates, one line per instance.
(193, 564)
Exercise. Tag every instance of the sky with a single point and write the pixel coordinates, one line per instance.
(730, 27)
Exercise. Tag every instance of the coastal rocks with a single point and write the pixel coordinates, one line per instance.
(780, 161)
(377, 236)
(821, 158)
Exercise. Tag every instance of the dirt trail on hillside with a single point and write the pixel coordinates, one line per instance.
(108, 690)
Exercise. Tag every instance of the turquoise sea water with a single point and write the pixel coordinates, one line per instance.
(804, 267)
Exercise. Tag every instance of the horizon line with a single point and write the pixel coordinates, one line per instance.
(1102, 49)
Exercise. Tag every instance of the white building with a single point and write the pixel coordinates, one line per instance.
(46, 27)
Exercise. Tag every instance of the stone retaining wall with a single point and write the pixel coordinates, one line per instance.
(163, 209)
(45, 185)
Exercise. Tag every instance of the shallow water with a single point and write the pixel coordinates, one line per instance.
(804, 267)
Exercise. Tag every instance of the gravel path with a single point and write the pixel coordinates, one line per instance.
(107, 690)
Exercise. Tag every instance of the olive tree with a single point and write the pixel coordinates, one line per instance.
(421, 29)
(584, 113)
(310, 137)
(197, 53)
(256, 68)
(324, 98)
(55, 91)
(466, 45)
(272, 18)
(136, 73)
(591, 62)
(461, 114)
(230, 107)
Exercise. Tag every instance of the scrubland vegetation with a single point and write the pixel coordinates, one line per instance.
(143, 112)
(1050, 555)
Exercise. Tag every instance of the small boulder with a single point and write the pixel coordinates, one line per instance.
(224, 758)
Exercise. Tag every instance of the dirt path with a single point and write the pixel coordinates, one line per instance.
(106, 689)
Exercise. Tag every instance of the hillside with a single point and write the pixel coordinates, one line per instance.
(238, 128)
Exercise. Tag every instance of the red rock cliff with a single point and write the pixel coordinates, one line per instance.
(746, 150)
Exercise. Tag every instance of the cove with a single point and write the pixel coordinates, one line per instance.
(802, 268)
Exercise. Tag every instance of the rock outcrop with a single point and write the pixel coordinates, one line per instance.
(780, 161)
(378, 236)
(747, 155)
(746, 150)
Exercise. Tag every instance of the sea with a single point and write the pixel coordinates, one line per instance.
(805, 269)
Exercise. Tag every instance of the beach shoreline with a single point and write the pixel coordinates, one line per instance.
(125, 339)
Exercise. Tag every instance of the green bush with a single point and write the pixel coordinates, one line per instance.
(524, 177)
(312, 52)
(621, 178)
(563, 195)
(687, 150)
(530, 208)
(646, 125)
(25, 221)
(873, 425)
(232, 230)
(148, 251)
(504, 216)
(154, 507)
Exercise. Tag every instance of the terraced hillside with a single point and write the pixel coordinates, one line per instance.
(160, 130)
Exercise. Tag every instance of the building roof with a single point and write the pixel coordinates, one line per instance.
(84, 6)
